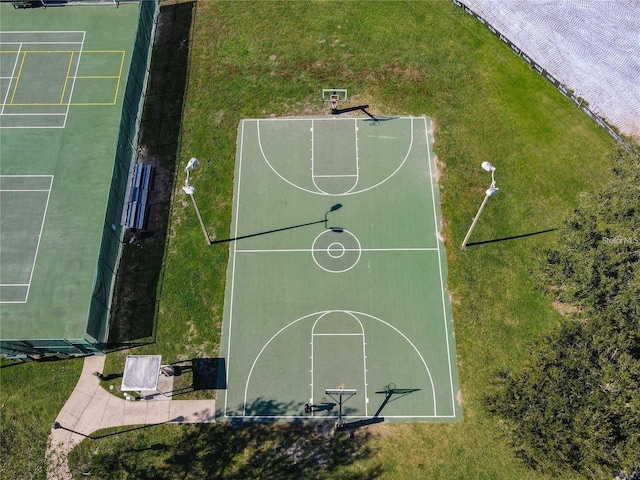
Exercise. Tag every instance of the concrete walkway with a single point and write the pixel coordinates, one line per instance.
(90, 407)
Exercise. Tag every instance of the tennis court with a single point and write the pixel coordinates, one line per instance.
(337, 277)
(63, 73)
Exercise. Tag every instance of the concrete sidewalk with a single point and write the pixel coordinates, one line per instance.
(90, 408)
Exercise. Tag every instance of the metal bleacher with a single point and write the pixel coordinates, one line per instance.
(135, 203)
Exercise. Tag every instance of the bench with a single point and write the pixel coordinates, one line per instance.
(135, 203)
(28, 4)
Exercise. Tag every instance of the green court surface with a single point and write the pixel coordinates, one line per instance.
(63, 72)
(336, 276)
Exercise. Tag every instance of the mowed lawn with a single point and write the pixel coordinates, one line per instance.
(262, 59)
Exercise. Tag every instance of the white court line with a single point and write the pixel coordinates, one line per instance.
(31, 127)
(338, 334)
(41, 31)
(364, 356)
(311, 373)
(264, 155)
(32, 115)
(335, 176)
(437, 249)
(321, 119)
(13, 74)
(30, 176)
(44, 216)
(328, 417)
(233, 264)
(75, 76)
(47, 41)
(42, 43)
(313, 165)
(35, 258)
(318, 192)
(444, 306)
(354, 314)
(357, 155)
(22, 190)
(307, 250)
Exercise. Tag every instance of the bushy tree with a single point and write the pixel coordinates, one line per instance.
(576, 402)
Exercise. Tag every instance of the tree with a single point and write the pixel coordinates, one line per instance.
(576, 402)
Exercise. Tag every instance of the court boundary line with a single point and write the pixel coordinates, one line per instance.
(40, 43)
(333, 417)
(442, 288)
(437, 248)
(307, 250)
(32, 115)
(44, 216)
(233, 266)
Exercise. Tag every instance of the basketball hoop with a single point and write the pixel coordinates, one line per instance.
(340, 392)
(334, 96)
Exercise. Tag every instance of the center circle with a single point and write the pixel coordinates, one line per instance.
(336, 250)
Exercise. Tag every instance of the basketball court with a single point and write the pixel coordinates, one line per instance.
(336, 280)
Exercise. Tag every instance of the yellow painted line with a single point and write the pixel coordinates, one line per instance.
(94, 77)
(115, 98)
(15, 86)
(66, 80)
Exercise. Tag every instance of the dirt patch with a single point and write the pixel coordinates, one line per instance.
(565, 309)
(437, 173)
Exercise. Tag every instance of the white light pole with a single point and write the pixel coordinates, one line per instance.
(189, 190)
(190, 166)
(490, 192)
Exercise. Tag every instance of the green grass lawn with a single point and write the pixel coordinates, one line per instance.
(31, 395)
(258, 59)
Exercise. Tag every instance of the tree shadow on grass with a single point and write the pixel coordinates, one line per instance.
(230, 450)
